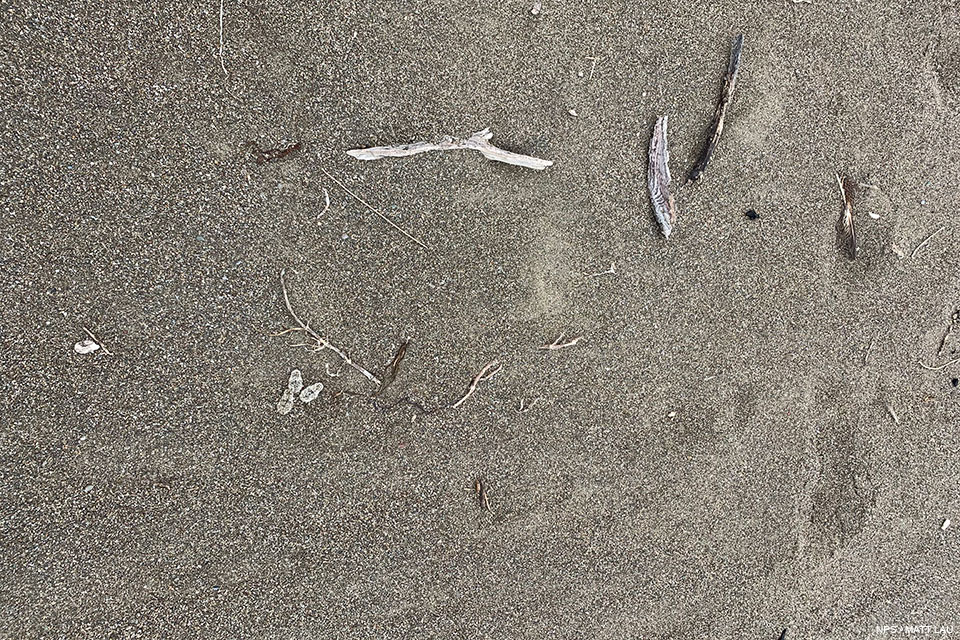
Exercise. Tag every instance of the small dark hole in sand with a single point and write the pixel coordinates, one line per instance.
(752, 214)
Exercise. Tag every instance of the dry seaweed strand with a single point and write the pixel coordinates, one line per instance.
(321, 342)
(658, 178)
(479, 141)
(269, 155)
(729, 86)
(390, 373)
(846, 230)
(492, 369)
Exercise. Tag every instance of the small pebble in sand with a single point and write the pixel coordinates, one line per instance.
(752, 214)
(537, 7)
(88, 488)
(85, 346)
(672, 414)
(946, 523)
(309, 394)
(573, 112)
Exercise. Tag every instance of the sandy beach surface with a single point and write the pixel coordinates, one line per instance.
(744, 440)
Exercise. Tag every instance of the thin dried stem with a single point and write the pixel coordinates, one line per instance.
(939, 367)
(561, 343)
(97, 340)
(488, 372)
(924, 243)
(322, 343)
(373, 209)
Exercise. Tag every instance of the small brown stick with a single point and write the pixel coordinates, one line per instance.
(373, 209)
(560, 343)
(846, 231)
(390, 373)
(492, 369)
(269, 155)
(924, 243)
(893, 414)
(480, 488)
(940, 367)
(97, 340)
(730, 84)
(321, 342)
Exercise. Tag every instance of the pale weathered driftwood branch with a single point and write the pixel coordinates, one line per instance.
(480, 141)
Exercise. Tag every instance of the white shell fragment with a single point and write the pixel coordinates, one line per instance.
(537, 8)
(85, 346)
(296, 381)
(945, 525)
(309, 394)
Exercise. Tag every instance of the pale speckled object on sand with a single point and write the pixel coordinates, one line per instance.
(658, 178)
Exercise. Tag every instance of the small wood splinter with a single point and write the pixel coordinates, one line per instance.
(561, 343)
(846, 230)
(480, 488)
(730, 84)
(658, 178)
(488, 372)
(390, 373)
(269, 155)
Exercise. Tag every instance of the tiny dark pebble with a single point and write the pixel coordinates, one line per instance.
(752, 214)
(955, 382)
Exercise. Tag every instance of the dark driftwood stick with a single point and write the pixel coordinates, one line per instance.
(846, 231)
(729, 86)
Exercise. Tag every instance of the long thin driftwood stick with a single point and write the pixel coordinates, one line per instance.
(322, 343)
(658, 178)
(729, 86)
(480, 141)
(372, 208)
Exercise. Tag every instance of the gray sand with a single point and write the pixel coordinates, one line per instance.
(158, 493)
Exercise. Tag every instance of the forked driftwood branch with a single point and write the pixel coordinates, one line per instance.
(664, 208)
(729, 86)
(480, 141)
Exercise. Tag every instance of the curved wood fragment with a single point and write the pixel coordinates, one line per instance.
(658, 177)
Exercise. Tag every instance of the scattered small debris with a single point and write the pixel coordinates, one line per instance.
(924, 243)
(561, 343)
(672, 414)
(664, 207)
(537, 7)
(269, 155)
(945, 525)
(751, 214)
(390, 373)
(369, 206)
(893, 414)
(525, 406)
(573, 112)
(846, 231)
(612, 271)
(311, 393)
(730, 84)
(85, 346)
(479, 141)
(492, 369)
(88, 488)
(480, 488)
(321, 343)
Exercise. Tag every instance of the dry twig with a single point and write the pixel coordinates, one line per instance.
(893, 414)
(220, 51)
(846, 231)
(729, 86)
(390, 373)
(480, 488)
(321, 343)
(924, 243)
(492, 369)
(561, 343)
(97, 341)
(480, 141)
(372, 208)
(939, 367)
